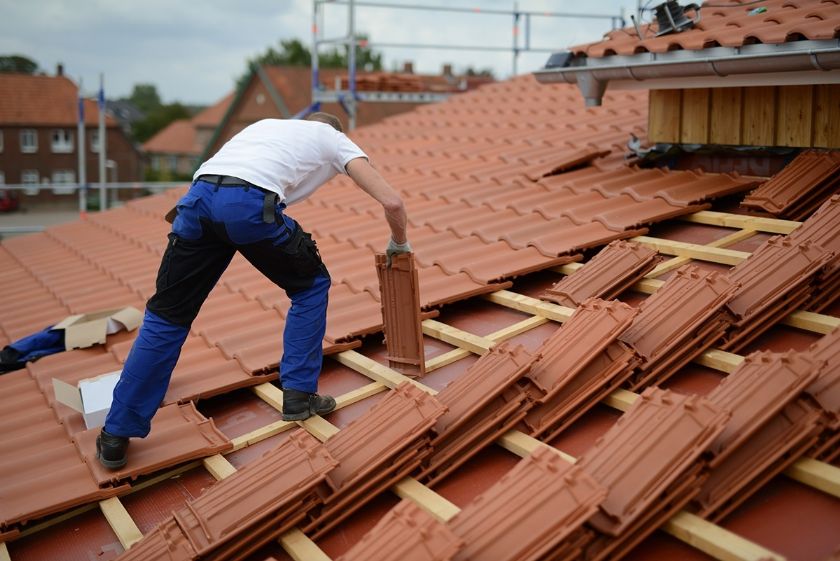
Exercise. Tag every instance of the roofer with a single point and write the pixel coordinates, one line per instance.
(236, 203)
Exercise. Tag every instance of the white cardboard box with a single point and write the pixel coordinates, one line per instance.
(85, 330)
(91, 397)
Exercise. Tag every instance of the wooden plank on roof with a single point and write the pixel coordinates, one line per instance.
(271, 394)
(725, 116)
(411, 489)
(814, 473)
(219, 467)
(120, 521)
(261, 434)
(758, 125)
(301, 548)
(694, 251)
(375, 371)
(827, 115)
(714, 540)
(457, 337)
(694, 127)
(757, 223)
(534, 306)
(811, 321)
(794, 116)
(720, 360)
(664, 115)
(523, 445)
(678, 262)
(4, 552)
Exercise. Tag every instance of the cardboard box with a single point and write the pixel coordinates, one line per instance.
(86, 330)
(91, 397)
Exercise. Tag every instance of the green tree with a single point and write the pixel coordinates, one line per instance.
(17, 64)
(157, 119)
(293, 52)
(145, 97)
(487, 72)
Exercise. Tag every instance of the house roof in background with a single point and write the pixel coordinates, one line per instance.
(212, 116)
(179, 137)
(43, 101)
(728, 23)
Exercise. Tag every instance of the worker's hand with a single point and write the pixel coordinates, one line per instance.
(394, 248)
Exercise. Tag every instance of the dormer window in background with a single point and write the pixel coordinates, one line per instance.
(28, 141)
(62, 141)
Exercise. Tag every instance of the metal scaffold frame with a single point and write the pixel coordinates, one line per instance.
(350, 97)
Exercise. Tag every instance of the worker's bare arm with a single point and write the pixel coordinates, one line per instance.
(372, 183)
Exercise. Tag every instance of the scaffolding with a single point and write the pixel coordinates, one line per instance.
(350, 97)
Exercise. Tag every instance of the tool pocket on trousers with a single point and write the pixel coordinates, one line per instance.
(301, 254)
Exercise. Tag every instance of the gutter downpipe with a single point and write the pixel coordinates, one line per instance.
(592, 80)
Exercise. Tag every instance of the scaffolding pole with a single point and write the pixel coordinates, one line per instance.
(350, 98)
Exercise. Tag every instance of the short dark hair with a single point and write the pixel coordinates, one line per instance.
(327, 118)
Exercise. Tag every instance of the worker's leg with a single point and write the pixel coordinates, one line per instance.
(292, 262)
(192, 264)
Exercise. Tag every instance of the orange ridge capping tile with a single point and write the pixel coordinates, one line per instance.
(771, 283)
(400, 302)
(406, 533)
(41, 472)
(679, 321)
(650, 447)
(179, 433)
(802, 186)
(579, 364)
(530, 510)
(375, 451)
(483, 403)
(245, 510)
(611, 271)
(760, 394)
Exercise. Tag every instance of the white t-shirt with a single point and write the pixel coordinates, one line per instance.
(288, 156)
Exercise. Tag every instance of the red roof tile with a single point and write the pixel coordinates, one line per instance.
(729, 23)
(534, 507)
(400, 302)
(406, 533)
(176, 138)
(802, 186)
(44, 101)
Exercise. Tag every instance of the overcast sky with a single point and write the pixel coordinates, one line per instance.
(194, 50)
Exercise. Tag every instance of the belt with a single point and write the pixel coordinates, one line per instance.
(269, 202)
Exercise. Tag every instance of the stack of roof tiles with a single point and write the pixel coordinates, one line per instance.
(680, 321)
(609, 273)
(825, 390)
(823, 229)
(301, 482)
(580, 364)
(770, 427)
(483, 403)
(800, 188)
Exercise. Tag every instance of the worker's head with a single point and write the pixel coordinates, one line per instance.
(327, 118)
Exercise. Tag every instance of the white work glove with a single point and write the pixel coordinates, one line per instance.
(394, 248)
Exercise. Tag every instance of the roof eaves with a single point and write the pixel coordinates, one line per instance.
(820, 59)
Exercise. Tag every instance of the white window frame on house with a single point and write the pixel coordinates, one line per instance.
(30, 177)
(27, 135)
(61, 141)
(1, 142)
(60, 176)
(154, 161)
(94, 141)
(172, 162)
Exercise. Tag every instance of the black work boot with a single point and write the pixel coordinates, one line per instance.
(298, 405)
(111, 450)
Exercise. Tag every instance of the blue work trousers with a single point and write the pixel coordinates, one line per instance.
(213, 223)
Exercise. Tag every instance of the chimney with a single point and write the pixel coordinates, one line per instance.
(59, 69)
(408, 67)
(447, 70)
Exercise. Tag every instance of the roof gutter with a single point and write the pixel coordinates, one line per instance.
(593, 74)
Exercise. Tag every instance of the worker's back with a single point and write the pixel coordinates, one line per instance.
(288, 156)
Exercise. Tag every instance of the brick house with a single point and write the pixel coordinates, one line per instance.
(38, 144)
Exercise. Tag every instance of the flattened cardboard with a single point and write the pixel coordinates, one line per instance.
(86, 330)
(91, 397)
